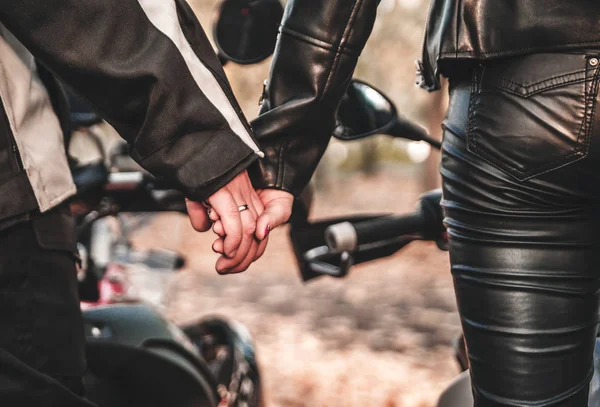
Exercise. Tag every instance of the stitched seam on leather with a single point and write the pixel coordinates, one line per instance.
(280, 172)
(458, 53)
(474, 91)
(456, 25)
(317, 42)
(530, 90)
(343, 40)
(528, 94)
(578, 151)
(545, 80)
(593, 100)
(584, 124)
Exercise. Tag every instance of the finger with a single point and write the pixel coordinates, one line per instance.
(275, 214)
(256, 245)
(245, 262)
(260, 208)
(262, 245)
(261, 248)
(217, 246)
(197, 214)
(218, 229)
(226, 207)
(225, 265)
(213, 215)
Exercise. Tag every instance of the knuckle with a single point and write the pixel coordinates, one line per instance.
(250, 228)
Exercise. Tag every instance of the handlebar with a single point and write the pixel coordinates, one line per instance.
(348, 236)
(133, 191)
(355, 241)
(425, 223)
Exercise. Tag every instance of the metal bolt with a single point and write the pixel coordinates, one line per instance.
(593, 61)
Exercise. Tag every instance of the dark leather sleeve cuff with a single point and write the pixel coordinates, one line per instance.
(314, 60)
(200, 164)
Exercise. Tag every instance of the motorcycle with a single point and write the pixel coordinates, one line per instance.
(331, 247)
(135, 356)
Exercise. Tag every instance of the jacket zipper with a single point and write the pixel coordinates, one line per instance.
(16, 154)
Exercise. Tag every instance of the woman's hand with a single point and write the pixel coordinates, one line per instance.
(239, 246)
(276, 208)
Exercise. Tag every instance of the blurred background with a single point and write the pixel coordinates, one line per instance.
(383, 334)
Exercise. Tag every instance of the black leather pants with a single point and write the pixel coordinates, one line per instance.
(41, 329)
(521, 180)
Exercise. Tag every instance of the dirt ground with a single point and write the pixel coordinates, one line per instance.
(381, 336)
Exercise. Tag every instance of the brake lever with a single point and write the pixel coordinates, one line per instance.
(317, 261)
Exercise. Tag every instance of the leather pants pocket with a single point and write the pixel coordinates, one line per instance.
(533, 114)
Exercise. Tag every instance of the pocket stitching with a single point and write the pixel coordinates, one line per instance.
(591, 99)
(474, 91)
(529, 90)
(584, 129)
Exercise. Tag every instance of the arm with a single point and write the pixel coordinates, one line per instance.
(314, 60)
(150, 70)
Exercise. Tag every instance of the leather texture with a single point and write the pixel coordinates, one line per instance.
(42, 343)
(149, 69)
(484, 29)
(315, 57)
(521, 169)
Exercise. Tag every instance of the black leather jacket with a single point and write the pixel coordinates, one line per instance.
(320, 42)
(483, 29)
(147, 66)
(314, 60)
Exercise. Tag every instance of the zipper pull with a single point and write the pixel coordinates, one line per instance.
(420, 73)
(263, 95)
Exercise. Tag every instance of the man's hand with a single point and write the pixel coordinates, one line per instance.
(277, 208)
(238, 244)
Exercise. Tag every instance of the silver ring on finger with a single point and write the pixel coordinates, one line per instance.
(243, 208)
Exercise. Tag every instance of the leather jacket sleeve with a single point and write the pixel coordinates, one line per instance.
(314, 60)
(149, 69)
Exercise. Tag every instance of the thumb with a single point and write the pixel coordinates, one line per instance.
(198, 216)
(275, 214)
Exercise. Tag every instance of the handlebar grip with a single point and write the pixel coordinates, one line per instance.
(349, 236)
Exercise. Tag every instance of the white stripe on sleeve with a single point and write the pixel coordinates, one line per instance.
(163, 15)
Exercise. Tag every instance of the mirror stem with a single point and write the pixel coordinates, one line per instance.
(406, 129)
(222, 59)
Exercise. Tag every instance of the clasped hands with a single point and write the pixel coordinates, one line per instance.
(242, 218)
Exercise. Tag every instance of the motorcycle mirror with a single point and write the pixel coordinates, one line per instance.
(315, 260)
(365, 111)
(245, 31)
